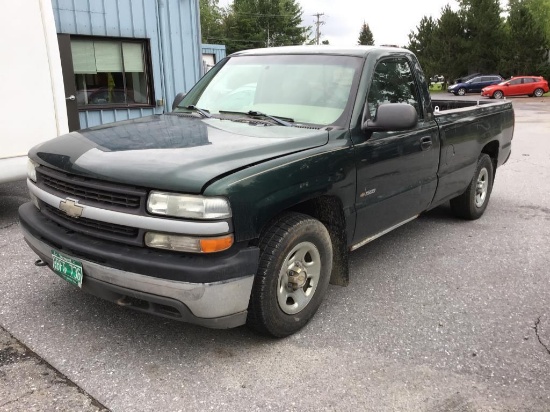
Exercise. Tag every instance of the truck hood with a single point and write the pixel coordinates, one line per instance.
(172, 152)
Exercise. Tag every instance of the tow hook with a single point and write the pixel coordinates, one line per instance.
(40, 262)
(297, 276)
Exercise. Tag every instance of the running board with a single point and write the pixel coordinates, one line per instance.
(370, 239)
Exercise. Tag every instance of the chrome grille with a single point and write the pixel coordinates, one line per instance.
(90, 190)
(93, 225)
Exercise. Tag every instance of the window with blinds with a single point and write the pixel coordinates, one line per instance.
(110, 72)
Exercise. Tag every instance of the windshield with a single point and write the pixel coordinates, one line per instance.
(305, 88)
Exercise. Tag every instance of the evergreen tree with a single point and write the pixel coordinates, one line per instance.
(484, 32)
(211, 16)
(263, 23)
(421, 43)
(365, 36)
(540, 10)
(449, 47)
(527, 41)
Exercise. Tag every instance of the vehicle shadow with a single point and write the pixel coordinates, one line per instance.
(12, 195)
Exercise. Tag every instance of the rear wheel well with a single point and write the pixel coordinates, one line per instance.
(492, 150)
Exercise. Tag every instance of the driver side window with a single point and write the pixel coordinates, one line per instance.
(393, 82)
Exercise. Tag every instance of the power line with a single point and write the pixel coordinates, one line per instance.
(318, 25)
(263, 15)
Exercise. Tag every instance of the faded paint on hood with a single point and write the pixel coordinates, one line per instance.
(172, 152)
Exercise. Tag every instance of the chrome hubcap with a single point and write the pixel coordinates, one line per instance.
(481, 187)
(298, 278)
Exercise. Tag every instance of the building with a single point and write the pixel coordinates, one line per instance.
(91, 62)
(125, 59)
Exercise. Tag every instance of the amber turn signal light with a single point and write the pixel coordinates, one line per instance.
(216, 244)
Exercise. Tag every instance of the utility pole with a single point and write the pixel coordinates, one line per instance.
(318, 24)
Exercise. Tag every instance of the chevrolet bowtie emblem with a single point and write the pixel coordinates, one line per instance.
(71, 208)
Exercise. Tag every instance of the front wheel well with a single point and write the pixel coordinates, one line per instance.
(330, 212)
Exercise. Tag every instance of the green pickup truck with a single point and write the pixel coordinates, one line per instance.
(242, 204)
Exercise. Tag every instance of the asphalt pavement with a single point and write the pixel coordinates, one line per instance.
(440, 315)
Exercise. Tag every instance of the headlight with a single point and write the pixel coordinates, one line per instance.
(31, 169)
(188, 243)
(188, 206)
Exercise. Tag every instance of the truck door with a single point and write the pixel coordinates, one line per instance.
(396, 170)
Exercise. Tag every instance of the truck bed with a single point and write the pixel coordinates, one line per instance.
(458, 121)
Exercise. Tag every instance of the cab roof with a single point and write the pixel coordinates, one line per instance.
(358, 51)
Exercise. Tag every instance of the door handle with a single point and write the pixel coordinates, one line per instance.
(425, 143)
(71, 97)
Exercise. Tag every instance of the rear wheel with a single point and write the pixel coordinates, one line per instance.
(498, 94)
(472, 203)
(538, 92)
(461, 91)
(293, 275)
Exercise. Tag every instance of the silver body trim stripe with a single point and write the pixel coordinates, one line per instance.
(142, 222)
(370, 239)
(204, 300)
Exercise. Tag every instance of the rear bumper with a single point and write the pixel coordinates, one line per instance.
(213, 303)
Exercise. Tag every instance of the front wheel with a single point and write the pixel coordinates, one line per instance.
(461, 91)
(498, 94)
(538, 92)
(293, 275)
(472, 203)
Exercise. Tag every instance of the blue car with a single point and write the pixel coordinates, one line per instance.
(475, 84)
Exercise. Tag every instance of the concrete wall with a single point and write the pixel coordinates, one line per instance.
(32, 108)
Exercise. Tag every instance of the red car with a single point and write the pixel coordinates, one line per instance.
(516, 86)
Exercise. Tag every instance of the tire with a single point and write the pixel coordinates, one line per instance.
(498, 94)
(293, 245)
(472, 203)
(538, 92)
(461, 91)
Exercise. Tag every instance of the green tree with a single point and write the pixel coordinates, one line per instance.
(211, 16)
(263, 23)
(365, 36)
(484, 34)
(421, 43)
(527, 40)
(541, 13)
(449, 45)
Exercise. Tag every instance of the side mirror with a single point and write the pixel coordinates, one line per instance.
(507, 84)
(177, 100)
(392, 117)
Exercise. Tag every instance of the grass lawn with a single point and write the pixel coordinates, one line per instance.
(436, 87)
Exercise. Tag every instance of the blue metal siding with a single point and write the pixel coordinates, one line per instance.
(173, 28)
(217, 50)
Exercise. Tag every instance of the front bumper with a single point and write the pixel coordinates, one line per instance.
(159, 283)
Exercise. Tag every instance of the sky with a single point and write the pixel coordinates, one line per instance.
(389, 20)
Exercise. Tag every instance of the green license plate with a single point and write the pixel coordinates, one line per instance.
(69, 269)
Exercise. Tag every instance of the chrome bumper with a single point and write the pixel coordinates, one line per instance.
(218, 305)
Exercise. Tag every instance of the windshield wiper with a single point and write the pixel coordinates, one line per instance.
(255, 113)
(203, 112)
